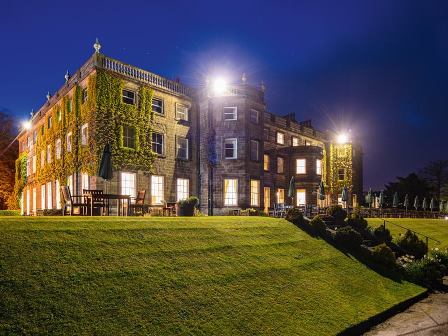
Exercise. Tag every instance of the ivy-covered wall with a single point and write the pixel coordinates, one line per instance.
(340, 156)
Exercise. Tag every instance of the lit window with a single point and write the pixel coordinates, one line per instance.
(128, 97)
(267, 198)
(181, 112)
(127, 184)
(84, 95)
(230, 113)
(254, 150)
(69, 105)
(48, 153)
(42, 196)
(70, 184)
(85, 185)
(182, 188)
(58, 149)
(42, 158)
(84, 134)
(128, 136)
(301, 197)
(35, 136)
(59, 115)
(57, 190)
(254, 116)
(341, 174)
(266, 162)
(295, 141)
(280, 165)
(255, 193)
(33, 158)
(158, 143)
(49, 196)
(50, 122)
(34, 200)
(230, 192)
(301, 166)
(280, 138)
(182, 148)
(319, 167)
(280, 195)
(230, 148)
(69, 142)
(266, 134)
(27, 201)
(157, 105)
(307, 143)
(156, 189)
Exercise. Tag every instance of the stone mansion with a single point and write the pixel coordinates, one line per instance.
(218, 142)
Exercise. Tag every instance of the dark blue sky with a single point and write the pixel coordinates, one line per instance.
(379, 68)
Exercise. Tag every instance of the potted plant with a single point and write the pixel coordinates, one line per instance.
(186, 207)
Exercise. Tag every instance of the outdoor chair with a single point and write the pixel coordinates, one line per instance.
(98, 202)
(72, 202)
(139, 206)
(279, 210)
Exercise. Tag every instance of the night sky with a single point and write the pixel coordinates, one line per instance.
(379, 68)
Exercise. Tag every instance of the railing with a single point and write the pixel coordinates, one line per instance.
(427, 238)
(144, 76)
(400, 213)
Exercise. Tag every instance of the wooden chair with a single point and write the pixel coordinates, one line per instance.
(72, 202)
(139, 205)
(98, 201)
(279, 210)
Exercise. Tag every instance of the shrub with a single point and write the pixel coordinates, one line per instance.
(9, 212)
(318, 225)
(186, 207)
(383, 254)
(359, 224)
(295, 216)
(410, 243)
(337, 213)
(347, 237)
(382, 234)
(52, 212)
(441, 256)
(426, 271)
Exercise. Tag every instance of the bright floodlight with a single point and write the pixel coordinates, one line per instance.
(342, 138)
(219, 86)
(446, 217)
(26, 125)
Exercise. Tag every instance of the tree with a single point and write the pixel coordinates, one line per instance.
(7, 161)
(411, 185)
(436, 175)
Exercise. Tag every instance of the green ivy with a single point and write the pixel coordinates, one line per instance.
(339, 162)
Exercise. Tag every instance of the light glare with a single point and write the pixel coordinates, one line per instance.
(26, 125)
(342, 138)
(219, 86)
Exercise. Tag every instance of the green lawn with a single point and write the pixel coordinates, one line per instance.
(435, 228)
(181, 276)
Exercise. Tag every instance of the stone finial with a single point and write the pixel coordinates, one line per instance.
(48, 96)
(97, 46)
(244, 77)
(67, 76)
(262, 87)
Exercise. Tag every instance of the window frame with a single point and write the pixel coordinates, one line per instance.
(187, 112)
(278, 194)
(162, 144)
(266, 162)
(58, 148)
(280, 159)
(162, 105)
(68, 141)
(301, 169)
(282, 137)
(318, 167)
(235, 148)
(234, 113)
(255, 143)
(157, 199)
(126, 139)
(297, 141)
(257, 119)
(181, 193)
(339, 174)
(300, 191)
(85, 139)
(255, 191)
(233, 200)
(123, 97)
(125, 177)
(187, 149)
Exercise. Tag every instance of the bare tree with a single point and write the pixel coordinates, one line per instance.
(436, 175)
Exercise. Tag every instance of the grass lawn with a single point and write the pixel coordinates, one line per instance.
(181, 276)
(434, 228)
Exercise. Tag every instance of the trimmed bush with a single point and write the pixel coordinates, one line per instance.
(9, 212)
(359, 224)
(410, 243)
(347, 237)
(52, 212)
(441, 256)
(318, 225)
(382, 234)
(426, 271)
(383, 255)
(337, 213)
(295, 216)
(186, 207)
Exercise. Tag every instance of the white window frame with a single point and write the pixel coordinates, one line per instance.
(57, 190)
(28, 205)
(34, 164)
(280, 195)
(266, 162)
(280, 138)
(234, 143)
(318, 167)
(233, 114)
(34, 200)
(295, 141)
(162, 106)
(42, 158)
(300, 166)
(157, 189)
(255, 193)
(84, 134)
(49, 196)
(300, 197)
(43, 196)
(182, 115)
(134, 99)
(230, 189)
(48, 153)
(69, 142)
(182, 188)
(85, 182)
(70, 184)
(58, 148)
(128, 184)
(178, 147)
(282, 160)
(163, 143)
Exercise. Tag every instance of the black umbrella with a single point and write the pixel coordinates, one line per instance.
(292, 188)
(105, 169)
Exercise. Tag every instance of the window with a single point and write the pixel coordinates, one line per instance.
(301, 166)
(50, 122)
(255, 193)
(127, 184)
(266, 162)
(49, 196)
(57, 190)
(295, 141)
(280, 195)
(307, 143)
(128, 96)
(84, 95)
(33, 159)
(341, 174)
(280, 138)
(280, 165)
(69, 105)
(42, 130)
(69, 142)
(319, 167)
(58, 149)
(42, 158)
(254, 116)
(48, 153)
(70, 184)
(157, 105)
(267, 198)
(58, 115)
(158, 143)
(156, 189)
(34, 200)
(182, 188)
(230, 192)
(181, 112)
(42, 196)
(84, 134)
(301, 197)
(28, 141)
(230, 148)
(266, 134)
(35, 136)
(182, 148)
(128, 136)
(254, 150)
(230, 113)
(85, 182)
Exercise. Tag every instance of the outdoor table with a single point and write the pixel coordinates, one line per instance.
(107, 197)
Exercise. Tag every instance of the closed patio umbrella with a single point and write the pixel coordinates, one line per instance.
(369, 197)
(105, 168)
(416, 203)
(381, 199)
(406, 202)
(344, 196)
(395, 200)
(425, 204)
(432, 204)
(321, 191)
(292, 189)
(441, 206)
